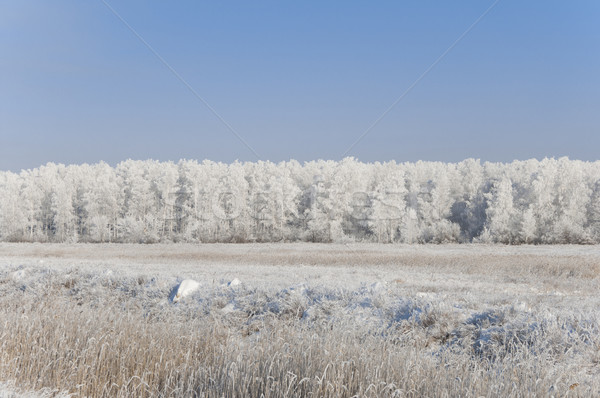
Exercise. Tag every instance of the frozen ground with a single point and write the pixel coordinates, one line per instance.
(489, 309)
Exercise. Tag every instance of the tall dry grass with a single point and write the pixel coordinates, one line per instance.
(108, 352)
(98, 335)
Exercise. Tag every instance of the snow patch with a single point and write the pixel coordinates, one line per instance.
(424, 295)
(10, 390)
(185, 288)
(234, 282)
(18, 275)
(228, 308)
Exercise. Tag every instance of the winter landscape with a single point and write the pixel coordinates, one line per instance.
(299, 199)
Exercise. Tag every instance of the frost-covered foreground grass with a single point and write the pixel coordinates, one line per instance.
(318, 320)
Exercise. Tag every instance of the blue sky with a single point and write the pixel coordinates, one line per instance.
(299, 81)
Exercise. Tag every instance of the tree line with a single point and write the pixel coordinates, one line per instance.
(522, 202)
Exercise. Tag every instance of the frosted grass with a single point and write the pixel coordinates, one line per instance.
(438, 321)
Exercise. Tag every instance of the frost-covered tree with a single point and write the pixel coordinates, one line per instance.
(31, 203)
(468, 209)
(548, 201)
(572, 194)
(166, 194)
(228, 204)
(528, 227)
(593, 213)
(63, 213)
(389, 203)
(13, 217)
(319, 212)
(501, 225)
(138, 211)
(350, 200)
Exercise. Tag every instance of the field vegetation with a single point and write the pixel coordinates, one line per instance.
(356, 320)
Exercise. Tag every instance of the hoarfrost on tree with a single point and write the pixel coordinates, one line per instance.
(547, 201)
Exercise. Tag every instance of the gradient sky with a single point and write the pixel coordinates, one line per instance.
(299, 81)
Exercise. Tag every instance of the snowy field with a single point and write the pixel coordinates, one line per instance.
(299, 319)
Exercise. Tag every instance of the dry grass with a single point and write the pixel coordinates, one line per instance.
(107, 353)
(547, 260)
(97, 335)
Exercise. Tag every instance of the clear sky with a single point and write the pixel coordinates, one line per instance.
(299, 80)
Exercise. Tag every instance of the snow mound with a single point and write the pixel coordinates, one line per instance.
(234, 282)
(185, 288)
(18, 275)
